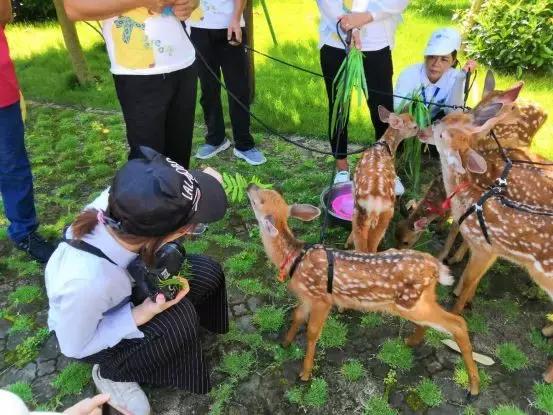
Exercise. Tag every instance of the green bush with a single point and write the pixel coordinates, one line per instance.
(544, 397)
(429, 393)
(352, 370)
(23, 390)
(378, 405)
(73, 379)
(514, 36)
(511, 356)
(269, 318)
(34, 10)
(396, 354)
(506, 410)
(317, 394)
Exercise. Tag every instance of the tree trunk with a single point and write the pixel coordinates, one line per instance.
(248, 17)
(473, 12)
(72, 44)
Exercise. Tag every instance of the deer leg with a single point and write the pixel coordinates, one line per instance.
(349, 242)
(317, 318)
(450, 240)
(478, 264)
(459, 254)
(548, 375)
(298, 318)
(360, 230)
(374, 237)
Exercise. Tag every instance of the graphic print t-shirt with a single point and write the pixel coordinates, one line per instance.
(213, 14)
(143, 43)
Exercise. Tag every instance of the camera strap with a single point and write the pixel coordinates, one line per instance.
(86, 247)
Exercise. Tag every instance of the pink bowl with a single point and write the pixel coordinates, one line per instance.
(342, 206)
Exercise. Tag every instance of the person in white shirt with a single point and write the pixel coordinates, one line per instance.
(89, 283)
(218, 32)
(374, 25)
(152, 65)
(436, 79)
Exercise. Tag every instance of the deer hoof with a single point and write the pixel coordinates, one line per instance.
(547, 331)
(285, 343)
(471, 397)
(305, 376)
(413, 341)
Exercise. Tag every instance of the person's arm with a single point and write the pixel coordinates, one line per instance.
(404, 87)
(457, 94)
(331, 9)
(364, 12)
(6, 14)
(234, 26)
(104, 9)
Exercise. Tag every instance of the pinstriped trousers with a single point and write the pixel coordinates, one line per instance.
(170, 353)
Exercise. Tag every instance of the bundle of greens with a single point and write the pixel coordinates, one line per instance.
(235, 186)
(350, 77)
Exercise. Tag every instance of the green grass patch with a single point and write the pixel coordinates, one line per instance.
(237, 365)
(198, 246)
(23, 390)
(253, 340)
(396, 354)
(371, 320)
(72, 379)
(540, 342)
(22, 323)
(506, 410)
(252, 286)
(295, 395)
(461, 376)
(352, 370)
(283, 354)
(240, 264)
(434, 338)
(221, 395)
(334, 333)
(25, 294)
(477, 323)
(511, 356)
(378, 405)
(28, 350)
(429, 393)
(269, 318)
(317, 394)
(543, 395)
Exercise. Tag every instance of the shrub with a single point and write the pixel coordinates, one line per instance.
(25, 294)
(513, 36)
(237, 365)
(34, 10)
(511, 356)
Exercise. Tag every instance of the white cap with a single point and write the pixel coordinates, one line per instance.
(443, 42)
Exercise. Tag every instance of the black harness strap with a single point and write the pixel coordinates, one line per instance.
(86, 247)
(329, 258)
(384, 144)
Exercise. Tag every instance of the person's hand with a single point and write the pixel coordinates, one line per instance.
(354, 20)
(157, 6)
(182, 9)
(149, 309)
(234, 27)
(88, 406)
(356, 39)
(470, 66)
(214, 173)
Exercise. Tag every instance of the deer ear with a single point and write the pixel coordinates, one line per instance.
(475, 162)
(511, 95)
(383, 114)
(420, 225)
(454, 160)
(395, 121)
(486, 112)
(489, 84)
(268, 225)
(304, 212)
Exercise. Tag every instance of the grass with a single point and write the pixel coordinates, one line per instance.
(237, 365)
(507, 410)
(396, 354)
(476, 323)
(28, 350)
(25, 294)
(23, 390)
(539, 342)
(461, 377)
(334, 333)
(221, 396)
(352, 370)
(300, 108)
(434, 338)
(313, 396)
(22, 323)
(429, 393)
(511, 357)
(543, 395)
(371, 320)
(252, 286)
(269, 319)
(72, 379)
(378, 405)
(240, 264)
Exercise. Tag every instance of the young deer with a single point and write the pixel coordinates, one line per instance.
(517, 134)
(374, 180)
(399, 282)
(521, 237)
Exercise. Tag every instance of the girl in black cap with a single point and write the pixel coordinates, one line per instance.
(152, 202)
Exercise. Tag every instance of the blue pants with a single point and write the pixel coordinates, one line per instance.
(16, 180)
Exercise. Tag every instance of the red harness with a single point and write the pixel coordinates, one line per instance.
(445, 206)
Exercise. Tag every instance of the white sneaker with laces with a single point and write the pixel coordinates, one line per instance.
(399, 189)
(341, 177)
(126, 397)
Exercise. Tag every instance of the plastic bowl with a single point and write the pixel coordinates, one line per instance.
(338, 201)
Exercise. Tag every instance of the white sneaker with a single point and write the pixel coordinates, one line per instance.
(341, 177)
(399, 189)
(126, 397)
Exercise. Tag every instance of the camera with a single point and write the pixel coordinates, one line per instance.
(153, 280)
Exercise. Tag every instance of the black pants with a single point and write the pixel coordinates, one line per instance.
(378, 72)
(159, 112)
(170, 354)
(232, 61)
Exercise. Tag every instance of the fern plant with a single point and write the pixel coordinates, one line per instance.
(235, 186)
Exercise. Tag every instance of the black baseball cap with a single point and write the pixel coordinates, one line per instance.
(154, 196)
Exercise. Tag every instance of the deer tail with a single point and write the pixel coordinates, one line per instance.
(444, 276)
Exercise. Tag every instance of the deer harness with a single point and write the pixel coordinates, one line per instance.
(307, 247)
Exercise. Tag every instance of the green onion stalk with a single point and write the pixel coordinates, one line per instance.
(412, 152)
(350, 77)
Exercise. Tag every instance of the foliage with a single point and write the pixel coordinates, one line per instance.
(461, 376)
(506, 410)
(269, 318)
(221, 395)
(240, 264)
(352, 370)
(378, 405)
(317, 394)
(25, 294)
(390, 382)
(22, 323)
(371, 320)
(28, 350)
(434, 337)
(396, 354)
(511, 356)
(23, 390)
(429, 393)
(252, 286)
(515, 36)
(283, 354)
(253, 340)
(72, 379)
(476, 323)
(334, 333)
(295, 395)
(543, 393)
(540, 342)
(237, 365)
(235, 186)
(34, 10)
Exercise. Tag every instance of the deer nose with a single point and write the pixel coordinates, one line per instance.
(252, 186)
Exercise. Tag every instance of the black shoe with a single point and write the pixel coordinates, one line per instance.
(37, 247)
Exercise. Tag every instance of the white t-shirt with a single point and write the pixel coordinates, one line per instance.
(141, 43)
(376, 35)
(448, 90)
(213, 14)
